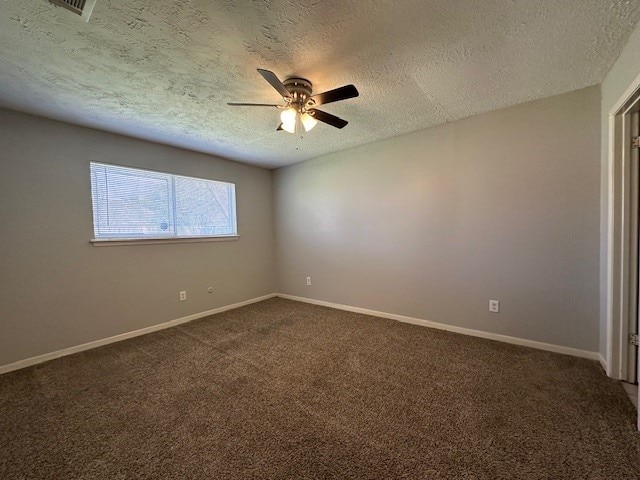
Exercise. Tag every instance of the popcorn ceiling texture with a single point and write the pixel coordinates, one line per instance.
(164, 70)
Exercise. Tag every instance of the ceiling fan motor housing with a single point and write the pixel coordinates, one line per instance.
(300, 89)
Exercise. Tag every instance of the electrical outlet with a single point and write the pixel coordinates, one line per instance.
(308, 280)
(183, 296)
(494, 306)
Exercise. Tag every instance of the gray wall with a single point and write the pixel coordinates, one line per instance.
(433, 224)
(622, 74)
(57, 290)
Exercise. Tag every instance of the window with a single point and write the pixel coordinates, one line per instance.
(139, 204)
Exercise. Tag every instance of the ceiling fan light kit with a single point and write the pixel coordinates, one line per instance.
(288, 119)
(299, 112)
(308, 122)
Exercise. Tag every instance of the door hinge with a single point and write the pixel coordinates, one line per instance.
(635, 142)
(633, 339)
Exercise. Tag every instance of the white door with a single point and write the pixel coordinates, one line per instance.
(634, 313)
(634, 317)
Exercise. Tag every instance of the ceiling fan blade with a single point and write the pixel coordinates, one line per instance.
(275, 82)
(328, 118)
(235, 104)
(342, 93)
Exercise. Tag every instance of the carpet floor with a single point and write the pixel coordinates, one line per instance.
(282, 389)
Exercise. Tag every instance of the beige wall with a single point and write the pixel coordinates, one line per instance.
(433, 224)
(620, 77)
(58, 291)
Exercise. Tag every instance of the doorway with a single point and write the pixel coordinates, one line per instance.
(623, 286)
(629, 374)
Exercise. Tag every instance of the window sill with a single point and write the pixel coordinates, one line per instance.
(114, 242)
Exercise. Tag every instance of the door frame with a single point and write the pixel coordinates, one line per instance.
(621, 293)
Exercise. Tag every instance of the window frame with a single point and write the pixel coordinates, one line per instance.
(159, 239)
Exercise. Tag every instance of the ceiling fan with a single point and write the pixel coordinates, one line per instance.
(299, 111)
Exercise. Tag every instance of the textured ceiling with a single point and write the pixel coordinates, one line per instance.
(163, 70)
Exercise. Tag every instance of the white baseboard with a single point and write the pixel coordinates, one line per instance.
(450, 328)
(27, 362)
(603, 362)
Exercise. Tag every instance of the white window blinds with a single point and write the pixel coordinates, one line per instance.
(133, 203)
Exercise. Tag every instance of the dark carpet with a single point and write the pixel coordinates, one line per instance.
(282, 389)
